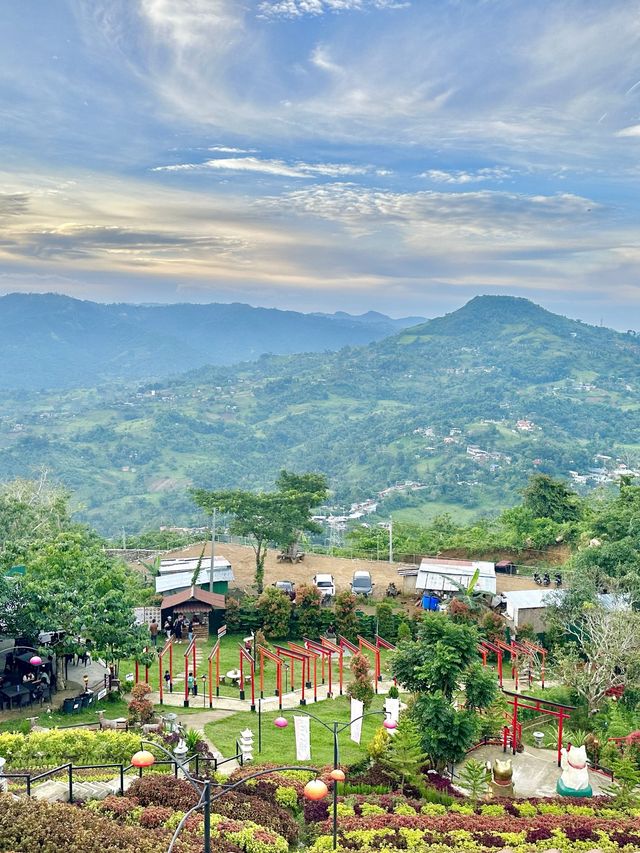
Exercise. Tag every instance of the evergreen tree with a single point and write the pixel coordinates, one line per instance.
(404, 756)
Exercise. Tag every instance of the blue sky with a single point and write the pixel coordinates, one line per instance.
(323, 154)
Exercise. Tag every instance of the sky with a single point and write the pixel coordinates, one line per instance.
(323, 154)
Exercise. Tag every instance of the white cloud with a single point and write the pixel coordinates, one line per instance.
(277, 168)
(223, 149)
(633, 131)
(463, 177)
(300, 8)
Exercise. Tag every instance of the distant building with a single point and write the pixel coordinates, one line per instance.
(439, 575)
(177, 575)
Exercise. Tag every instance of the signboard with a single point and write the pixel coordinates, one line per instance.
(303, 739)
(101, 694)
(129, 676)
(222, 631)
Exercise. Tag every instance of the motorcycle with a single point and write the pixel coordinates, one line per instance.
(546, 580)
(558, 579)
(537, 578)
(392, 591)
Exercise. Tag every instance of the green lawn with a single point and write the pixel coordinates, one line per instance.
(278, 745)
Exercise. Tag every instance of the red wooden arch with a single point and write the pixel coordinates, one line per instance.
(245, 657)
(332, 647)
(269, 655)
(191, 650)
(542, 706)
(214, 655)
(293, 656)
(326, 657)
(365, 644)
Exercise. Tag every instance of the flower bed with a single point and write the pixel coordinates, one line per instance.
(610, 830)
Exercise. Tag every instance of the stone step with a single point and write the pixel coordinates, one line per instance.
(51, 791)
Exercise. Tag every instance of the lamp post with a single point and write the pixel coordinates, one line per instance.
(313, 790)
(337, 775)
(204, 690)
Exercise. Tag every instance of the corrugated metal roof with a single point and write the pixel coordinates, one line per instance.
(188, 564)
(180, 580)
(437, 575)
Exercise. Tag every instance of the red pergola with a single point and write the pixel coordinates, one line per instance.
(214, 655)
(294, 656)
(190, 652)
(485, 648)
(326, 657)
(334, 649)
(375, 649)
(245, 657)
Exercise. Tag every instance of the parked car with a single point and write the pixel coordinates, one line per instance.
(326, 585)
(362, 584)
(287, 587)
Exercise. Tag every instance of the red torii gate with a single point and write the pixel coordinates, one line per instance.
(485, 647)
(325, 653)
(562, 713)
(168, 647)
(245, 656)
(191, 650)
(332, 647)
(269, 655)
(362, 643)
(540, 650)
(294, 656)
(384, 644)
(215, 653)
(309, 655)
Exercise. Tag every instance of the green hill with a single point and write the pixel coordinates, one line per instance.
(437, 404)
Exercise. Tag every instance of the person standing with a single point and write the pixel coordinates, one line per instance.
(167, 681)
(191, 684)
(190, 630)
(177, 629)
(153, 630)
(168, 627)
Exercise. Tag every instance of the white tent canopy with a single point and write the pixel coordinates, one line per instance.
(188, 564)
(439, 575)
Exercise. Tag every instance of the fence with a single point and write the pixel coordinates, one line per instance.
(209, 764)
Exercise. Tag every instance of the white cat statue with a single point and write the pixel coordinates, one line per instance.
(574, 781)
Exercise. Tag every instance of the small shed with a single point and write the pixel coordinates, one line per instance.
(206, 609)
(529, 607)
(439, 575)
(506, 567)
(176, 575)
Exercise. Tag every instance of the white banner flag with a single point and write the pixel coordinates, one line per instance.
(392, 707)
(357, 710)
(303, 740)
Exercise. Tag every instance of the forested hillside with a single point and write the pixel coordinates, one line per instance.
(53, 341)
(466, 407)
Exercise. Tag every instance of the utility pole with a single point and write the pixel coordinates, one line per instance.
(213, 548)
(391, 539)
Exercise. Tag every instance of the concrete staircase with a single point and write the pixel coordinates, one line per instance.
(55, 791)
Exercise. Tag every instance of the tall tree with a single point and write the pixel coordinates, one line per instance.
(441, 666)
(549, 498)
(404, 756)
(276, 517)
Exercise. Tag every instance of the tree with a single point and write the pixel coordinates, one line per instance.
(439, 666)
(276, 517)
(404, 756)
(72, 585)
(606, 653)
(385, 621)
(274, 607)
(30, 511)
(345, 610)
(549, 498)
(361, 687)
(473, 777)
(308, 611)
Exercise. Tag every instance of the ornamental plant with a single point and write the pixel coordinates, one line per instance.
(361, 687)
(140, 707)
(274, 607)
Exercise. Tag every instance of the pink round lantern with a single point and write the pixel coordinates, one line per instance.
(36, 660)
(390, 724)
(281, 722)
(315, 790)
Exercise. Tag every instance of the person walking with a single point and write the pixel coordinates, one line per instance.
(153, 630)
(177, 629)
(168, 627)
(190, 630)
(167, 681)
(192, 685)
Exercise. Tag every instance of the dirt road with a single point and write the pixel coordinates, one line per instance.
(242, 559)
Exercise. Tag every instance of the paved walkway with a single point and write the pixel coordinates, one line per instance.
(535, 771)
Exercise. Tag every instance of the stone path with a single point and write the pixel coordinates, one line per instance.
(535, 771)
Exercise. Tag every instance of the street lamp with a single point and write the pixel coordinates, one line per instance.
(337, 775)
(204, 690)
(144, 758)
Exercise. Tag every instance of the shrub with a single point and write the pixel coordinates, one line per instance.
(361, 687)
(57, 746)
(274, 607)
(167, 791)
(287, 797)
(379, 744)
(140, 708)
(39, 827)
(404, 631)
(345, 613)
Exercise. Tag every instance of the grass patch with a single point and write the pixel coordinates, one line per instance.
(278, 745)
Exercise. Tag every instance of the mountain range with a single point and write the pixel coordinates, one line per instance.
(461, 409)
(54, 341)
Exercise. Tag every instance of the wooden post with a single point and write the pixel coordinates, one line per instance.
(160, 674)
(514, 733)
